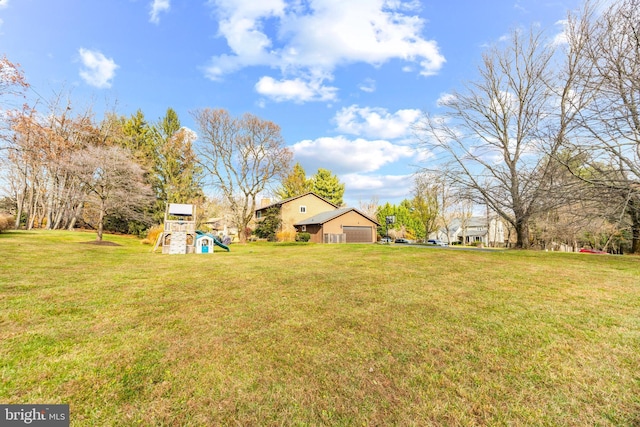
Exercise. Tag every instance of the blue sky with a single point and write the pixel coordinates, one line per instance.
(344, 79)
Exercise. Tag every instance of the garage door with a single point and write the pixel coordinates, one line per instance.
(358, 234)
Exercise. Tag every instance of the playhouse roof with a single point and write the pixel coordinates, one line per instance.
(180, 209)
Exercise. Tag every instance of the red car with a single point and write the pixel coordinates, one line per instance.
(592, 251)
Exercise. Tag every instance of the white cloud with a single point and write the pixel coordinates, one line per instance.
(343, 155)
(296, 90)
(359, 182)
(4, 3)
(445, 99)
(519, 7)
(376, 122)
(391, 188)
(99, 70)
(368, 85)
(157, 7)
(313, 38)
(561, 37)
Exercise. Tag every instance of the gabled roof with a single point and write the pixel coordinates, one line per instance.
(324, 217)
(473, 233)
(474, 221)
(290, 199)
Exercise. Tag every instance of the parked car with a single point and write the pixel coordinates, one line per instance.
(402, 241)
(592, 251)
(386, 240)
(436, 242)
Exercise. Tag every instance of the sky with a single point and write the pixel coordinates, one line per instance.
(346, 80)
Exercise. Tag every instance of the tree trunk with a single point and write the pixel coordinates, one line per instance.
(635, 232)
(33, 209)
(101, 221)
(49, 208)
(20, 207)
(522, 234)
(75, 213)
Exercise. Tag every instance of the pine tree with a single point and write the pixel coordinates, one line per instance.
(328, 186)
(294, 184)
(175, 163)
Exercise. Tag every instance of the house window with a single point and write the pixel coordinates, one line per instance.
(303, 209)
(259, 214)
(304, 228)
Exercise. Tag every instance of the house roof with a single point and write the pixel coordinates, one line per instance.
(324, 217)
(472, 233)
(282, 202)
(474, 221)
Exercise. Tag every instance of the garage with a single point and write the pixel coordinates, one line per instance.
(344, 225)
(357, 234)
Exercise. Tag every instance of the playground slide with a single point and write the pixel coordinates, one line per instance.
(216, 240)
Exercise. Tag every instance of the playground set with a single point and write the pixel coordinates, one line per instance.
(180, 235)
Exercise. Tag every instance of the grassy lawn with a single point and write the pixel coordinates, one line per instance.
(272, 334)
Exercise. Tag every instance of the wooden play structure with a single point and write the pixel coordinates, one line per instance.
(180, 235)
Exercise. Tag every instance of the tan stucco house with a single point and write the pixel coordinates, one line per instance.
(322, 219)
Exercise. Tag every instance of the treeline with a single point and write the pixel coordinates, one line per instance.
(548, 134)
(65, 169)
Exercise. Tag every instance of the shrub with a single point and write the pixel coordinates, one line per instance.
(152, 234)
(286, 236)
(303, 237)
(6, 221)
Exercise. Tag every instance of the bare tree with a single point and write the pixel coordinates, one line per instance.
(113, 181)
(370, 208)
(490, 135)
(12, 81)
(241, 155)
(610, 148)
(43, 188)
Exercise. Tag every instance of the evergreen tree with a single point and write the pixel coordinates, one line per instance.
(175, 163)
(137, 137)
(406, 224)
(269, 224)
(328, 186)
(294, 184)
(425, 204)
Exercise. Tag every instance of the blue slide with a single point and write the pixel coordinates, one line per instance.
(216, 240)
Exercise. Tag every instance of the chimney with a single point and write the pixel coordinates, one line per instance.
(264, 202)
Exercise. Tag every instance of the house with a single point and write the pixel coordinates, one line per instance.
(296, 209)
(473, 230)
(346, 225)
(323, 220)
(223, 228)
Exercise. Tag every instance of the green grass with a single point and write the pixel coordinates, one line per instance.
(272, 334)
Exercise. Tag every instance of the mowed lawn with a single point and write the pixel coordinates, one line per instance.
(273, 334)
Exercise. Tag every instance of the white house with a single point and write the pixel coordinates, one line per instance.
(476, 230)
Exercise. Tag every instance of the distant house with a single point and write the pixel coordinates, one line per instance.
(326, 222)
(473, 231)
